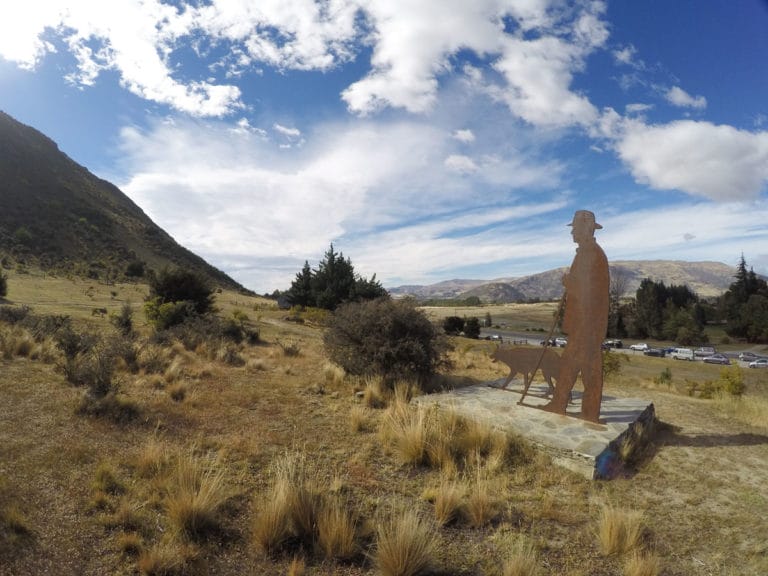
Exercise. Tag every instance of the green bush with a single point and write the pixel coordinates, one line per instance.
(472, 328)
(453, 324)
(164, 315)
(732, 380)
(123, 320)
(384, 337)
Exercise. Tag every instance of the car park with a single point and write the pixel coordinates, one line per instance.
(759, 363)
(658, 352)
(682, 354)
(640, 347)
(717, 359)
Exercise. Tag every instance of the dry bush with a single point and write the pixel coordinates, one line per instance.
(522, 560)
(619, 530)
(358, 419)
(406, 544)
(448, 501)
(337, 529)
(642, 565)
(229, 354)
(197, 492)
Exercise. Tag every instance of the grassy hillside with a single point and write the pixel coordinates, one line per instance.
(57, 215)
(229, 441)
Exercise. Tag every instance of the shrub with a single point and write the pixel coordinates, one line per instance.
(405, 545)
(732, 380)
(3, 286)
(181, 285)
(123, 320)
(472, 328)
(384, 337)
(665, 377)
(453, 324)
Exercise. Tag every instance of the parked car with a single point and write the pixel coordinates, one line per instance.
(682, 354)
(614, 343)
(640, 347)
(703, 351)
(717, 359)
(560, 342)
(760, 363)
(748, 356)
(655, 352)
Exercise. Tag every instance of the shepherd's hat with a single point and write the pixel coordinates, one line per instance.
(585, 216)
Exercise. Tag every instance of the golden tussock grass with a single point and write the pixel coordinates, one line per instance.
(333, 374)
(619, 530)
(297, 567)
(196, 492)
(178, 391)
(105, 479)
(271, 527)
(152, 459)
(406, 544)
(375, 393)
(405, 430)
(130, 543)
(337, 529)
(449, 501)
(256, 365)
(523, 560)
(126, 516)
(640, 564)
(359, 419)
(167, 559)
(482, 505)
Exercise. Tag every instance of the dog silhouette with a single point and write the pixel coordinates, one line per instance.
(525, 361)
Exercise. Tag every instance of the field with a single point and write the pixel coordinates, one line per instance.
(226, 444)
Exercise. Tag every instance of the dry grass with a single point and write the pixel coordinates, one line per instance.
(197, 491)
(178, 391)
(375, 393)
(167, 559)
(130, 544)
(482, 505)
(752, 410)
(639, 564)
(359, 419)
(105, 480)
(333, 374)
(337, 529)
(406, 545)
(449, 501)
(271, 525)
(297, 567)
(153, 458)
(405, 430)
(619, 531)
(523, 560)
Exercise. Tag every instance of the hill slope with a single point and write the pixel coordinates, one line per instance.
(59, 216)
(707, 279)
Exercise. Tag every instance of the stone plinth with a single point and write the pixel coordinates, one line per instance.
(597, 451)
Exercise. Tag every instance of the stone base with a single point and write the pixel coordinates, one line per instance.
(597, 451)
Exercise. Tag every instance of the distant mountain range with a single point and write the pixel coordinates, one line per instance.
(56, 215)
(707, 279)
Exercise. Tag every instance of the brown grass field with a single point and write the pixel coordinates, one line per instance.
(275, 466)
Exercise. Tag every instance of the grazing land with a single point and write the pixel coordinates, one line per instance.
(264, 458)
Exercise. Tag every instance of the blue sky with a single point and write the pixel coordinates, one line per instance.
(428, 140)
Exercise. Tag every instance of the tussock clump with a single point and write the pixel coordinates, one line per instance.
(405, 430)
(639, 564)
(167, 559)
(334, 374)
(256, 365)
(358, 419)
(406, 544)
(178, 391)
(619, 530)
(130, 544)
(153, 459)
(522, 560)
(449, 501)
(105, 480)
(376, 394)
(197, 491)
(337, 529)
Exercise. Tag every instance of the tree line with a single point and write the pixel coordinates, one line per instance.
(677, 313)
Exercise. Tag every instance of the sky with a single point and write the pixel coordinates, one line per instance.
(426, 139)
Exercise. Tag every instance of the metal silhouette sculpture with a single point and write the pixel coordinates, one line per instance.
(585, 321)
(527, 361)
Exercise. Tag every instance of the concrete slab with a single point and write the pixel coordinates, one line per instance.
(593, 450)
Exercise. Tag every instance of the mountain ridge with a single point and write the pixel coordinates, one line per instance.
(708, 279)
(59, 216)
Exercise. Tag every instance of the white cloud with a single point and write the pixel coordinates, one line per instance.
(679, 97)
(285, 131)
(637, 108)
(236, 198)
(716, 162)
(461, 164)
(466, 136)
(627, 56)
